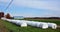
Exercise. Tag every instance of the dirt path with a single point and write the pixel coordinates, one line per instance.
(2, 27)
(58, 26)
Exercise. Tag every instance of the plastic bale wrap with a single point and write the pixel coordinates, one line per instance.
(24, 25)
(38, 24)
(3, 18)
(32, 24)
(42, 25)
(8, 20)
(21, 23)
(52, 25)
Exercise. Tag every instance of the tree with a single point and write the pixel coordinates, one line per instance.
(8, 16)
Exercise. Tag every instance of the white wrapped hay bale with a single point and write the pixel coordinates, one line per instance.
(21, 23)
(14, 22)
(52, 25)
(24, 25)
(8, 20)
(42, 25)
(18, 22)
(38, 24)
(3, 18)
(32, 24)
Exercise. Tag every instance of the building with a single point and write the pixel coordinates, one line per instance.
(1, 14)
(8, 16)
(18, 17)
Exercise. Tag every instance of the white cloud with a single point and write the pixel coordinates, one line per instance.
(38, 4)
(50, 5)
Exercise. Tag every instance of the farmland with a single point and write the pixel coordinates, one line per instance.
(15, 28)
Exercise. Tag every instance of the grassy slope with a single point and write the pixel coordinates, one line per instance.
(15, 28)
(2, 27)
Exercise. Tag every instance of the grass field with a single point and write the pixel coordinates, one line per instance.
(15, 28)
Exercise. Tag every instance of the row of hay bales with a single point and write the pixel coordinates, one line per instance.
(25, 23)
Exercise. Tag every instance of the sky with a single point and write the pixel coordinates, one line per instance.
(31, 8)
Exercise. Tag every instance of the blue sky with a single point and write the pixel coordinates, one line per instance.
(32, 8)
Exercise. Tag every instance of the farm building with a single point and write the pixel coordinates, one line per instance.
(1, 14)
(18, 17)
(8, 16)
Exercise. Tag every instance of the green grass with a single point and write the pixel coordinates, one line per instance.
(14, 28)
